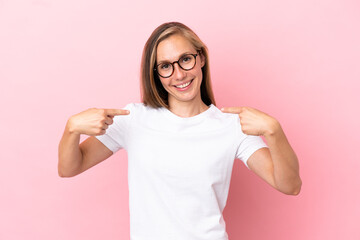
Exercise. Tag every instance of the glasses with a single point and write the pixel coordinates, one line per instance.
(186, 62)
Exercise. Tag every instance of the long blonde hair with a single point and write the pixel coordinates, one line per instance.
(152, 91)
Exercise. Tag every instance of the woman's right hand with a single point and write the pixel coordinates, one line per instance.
(93, 121)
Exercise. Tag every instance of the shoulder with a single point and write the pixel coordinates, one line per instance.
(217, 114)
(132, 107)
(215, 119)
(139, 107)
(230, 119)
(139, 110)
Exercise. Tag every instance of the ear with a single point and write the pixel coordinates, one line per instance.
(202, 60)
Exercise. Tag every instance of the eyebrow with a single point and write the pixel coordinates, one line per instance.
(167, 61)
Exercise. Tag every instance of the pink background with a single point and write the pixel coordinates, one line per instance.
(298, 61)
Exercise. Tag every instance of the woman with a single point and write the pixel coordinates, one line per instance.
(181, 147)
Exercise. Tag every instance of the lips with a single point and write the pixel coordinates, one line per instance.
(177, 86)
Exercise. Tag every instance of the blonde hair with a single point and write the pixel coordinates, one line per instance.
(152, 92)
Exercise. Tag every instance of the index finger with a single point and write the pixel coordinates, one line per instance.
(115, 112)
(231, 109)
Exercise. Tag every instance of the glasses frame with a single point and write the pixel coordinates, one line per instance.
(173, 67)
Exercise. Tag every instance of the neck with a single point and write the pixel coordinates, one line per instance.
(187, 109)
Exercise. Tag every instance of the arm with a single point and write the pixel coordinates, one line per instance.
(286, 166)
(75, 158)
(70, 155)
(277, 165)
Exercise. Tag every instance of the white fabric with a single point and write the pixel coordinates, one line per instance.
(179, 169)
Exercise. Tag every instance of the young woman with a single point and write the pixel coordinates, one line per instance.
(181, 147)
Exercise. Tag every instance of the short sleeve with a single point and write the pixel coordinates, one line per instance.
(247, 145)
(116, 134)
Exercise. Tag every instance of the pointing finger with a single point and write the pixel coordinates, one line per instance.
(231, 109)
(115, 112)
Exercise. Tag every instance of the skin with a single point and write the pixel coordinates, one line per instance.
(75, 158)
(278, 165)
(182, 103)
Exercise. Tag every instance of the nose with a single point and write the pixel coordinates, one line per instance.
(179, 73)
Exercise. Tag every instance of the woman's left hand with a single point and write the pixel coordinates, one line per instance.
(253, 121)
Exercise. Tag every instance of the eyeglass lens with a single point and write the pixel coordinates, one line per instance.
(186, 62)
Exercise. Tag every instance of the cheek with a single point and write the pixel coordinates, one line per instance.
(164, 82)
(199, 74)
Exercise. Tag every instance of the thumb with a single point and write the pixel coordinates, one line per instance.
(115, 112)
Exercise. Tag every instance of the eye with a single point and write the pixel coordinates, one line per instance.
(186, 58)
(165, 66)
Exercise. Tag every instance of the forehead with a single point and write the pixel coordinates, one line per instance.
(173, 47)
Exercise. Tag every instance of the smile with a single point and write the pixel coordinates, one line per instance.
(183, 85)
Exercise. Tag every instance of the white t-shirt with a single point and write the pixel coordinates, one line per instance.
(179, 169)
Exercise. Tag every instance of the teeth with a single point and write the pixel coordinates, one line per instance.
(184, 85)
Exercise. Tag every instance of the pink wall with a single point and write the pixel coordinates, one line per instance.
(298, 61)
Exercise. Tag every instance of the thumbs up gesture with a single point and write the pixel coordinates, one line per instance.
(93, 121)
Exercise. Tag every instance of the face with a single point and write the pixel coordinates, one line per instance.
(170, 50)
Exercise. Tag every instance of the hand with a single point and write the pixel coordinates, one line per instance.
(253, 121)
(93, 121)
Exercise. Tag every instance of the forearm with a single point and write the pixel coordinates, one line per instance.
(286, 166)
(70, 155)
